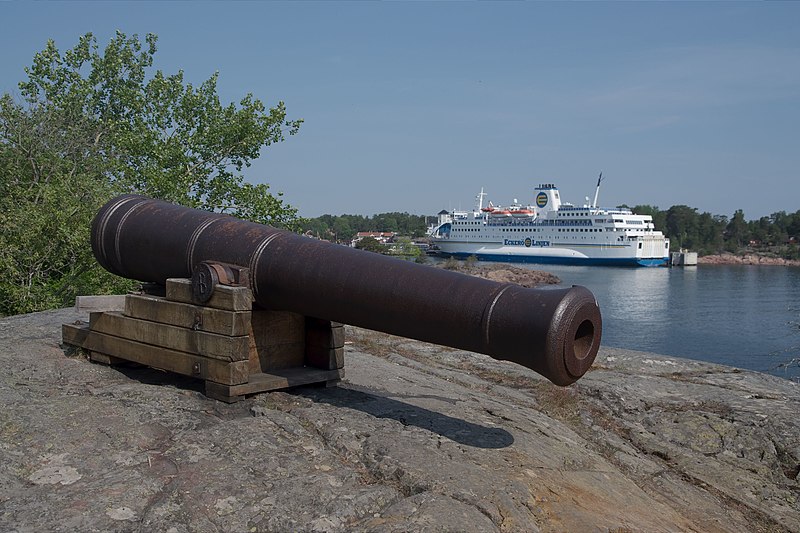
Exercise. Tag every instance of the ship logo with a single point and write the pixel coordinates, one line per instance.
(528, 242)
(541, 199)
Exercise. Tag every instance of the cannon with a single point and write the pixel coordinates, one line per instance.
(553, 331)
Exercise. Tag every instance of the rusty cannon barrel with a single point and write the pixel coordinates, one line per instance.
(555, 331)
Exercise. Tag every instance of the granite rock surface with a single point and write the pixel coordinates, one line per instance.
(416, 438)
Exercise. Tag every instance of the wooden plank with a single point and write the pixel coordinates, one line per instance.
(211, 345)
(90, 304)
(324, 358)
(324, 344)
(278, 339)
(224, 297)
(284, 378)
(280, 379)
(253, 360)
(158, 309)
(74, 334)
(324, 333)
(171, 360)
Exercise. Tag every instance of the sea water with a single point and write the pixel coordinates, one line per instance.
(737, 315)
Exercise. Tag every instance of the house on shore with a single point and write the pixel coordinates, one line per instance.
(383, 237)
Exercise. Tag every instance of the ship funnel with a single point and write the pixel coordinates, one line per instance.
(546, 198)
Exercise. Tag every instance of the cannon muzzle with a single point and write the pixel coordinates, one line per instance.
(553, 331)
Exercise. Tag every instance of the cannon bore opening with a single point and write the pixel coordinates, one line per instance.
(584, 335)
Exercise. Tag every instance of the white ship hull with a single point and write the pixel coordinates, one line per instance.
(565, 254)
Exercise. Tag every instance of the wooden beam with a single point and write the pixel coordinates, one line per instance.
(202, 343)
(279, 379)
(74, 334)
(172, 360)
(197, 317)
(278, 339)
(324, 344)
(91, 304)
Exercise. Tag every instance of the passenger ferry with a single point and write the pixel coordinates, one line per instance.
(549, 231)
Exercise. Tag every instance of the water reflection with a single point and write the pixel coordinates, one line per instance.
(732, 314)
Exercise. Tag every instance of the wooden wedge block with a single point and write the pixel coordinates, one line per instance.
(224, 297)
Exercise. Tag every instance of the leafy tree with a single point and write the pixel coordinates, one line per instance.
(710, 233)
(681, 226)
(385, 222)
(370, 244)
(405, 247)
(317, 228)
(779, 225)
(759, 230)
(342, 230)
(91, 124)
(402, 223)
(736, 231)
(793, 226)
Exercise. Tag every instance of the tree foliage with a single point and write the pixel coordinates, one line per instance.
(405, 248)
(93, 123)
(342, 228)
(709, 234)
(371, 244)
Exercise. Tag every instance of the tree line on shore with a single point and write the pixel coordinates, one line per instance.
(711, 234)
(343, 228)
(685, 226)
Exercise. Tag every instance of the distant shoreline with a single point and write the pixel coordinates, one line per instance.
(746, 259)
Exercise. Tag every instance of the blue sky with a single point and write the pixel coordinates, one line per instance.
(416, 106)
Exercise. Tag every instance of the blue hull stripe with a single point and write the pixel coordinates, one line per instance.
(560, 260)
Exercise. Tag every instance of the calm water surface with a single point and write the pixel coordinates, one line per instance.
(743, 316)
